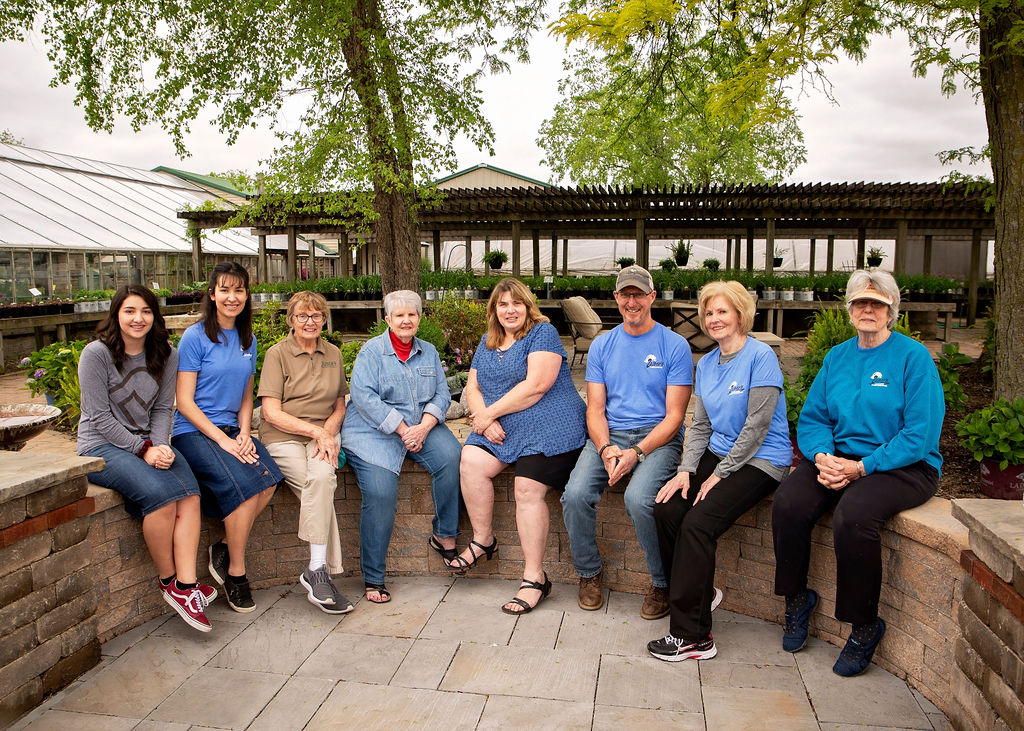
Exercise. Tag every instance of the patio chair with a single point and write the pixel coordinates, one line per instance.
(584, 325)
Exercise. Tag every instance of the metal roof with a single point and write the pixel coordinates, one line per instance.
(53, 201)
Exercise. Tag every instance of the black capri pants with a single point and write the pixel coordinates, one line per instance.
(688, 540)
(860, 510)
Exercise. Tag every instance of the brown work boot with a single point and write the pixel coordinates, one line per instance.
(591, 596)
(655, 603)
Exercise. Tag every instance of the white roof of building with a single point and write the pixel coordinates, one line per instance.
(53, 201)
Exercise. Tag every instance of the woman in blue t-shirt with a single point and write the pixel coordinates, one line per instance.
(526, 412)
(216, 369)
(737, 451)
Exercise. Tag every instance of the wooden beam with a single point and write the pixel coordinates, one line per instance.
(293, 255)
(769, 244)
(261, 258)
(197, 256)
(830, 254)
(813, 247)
(750, 248)
(437, 249)
(554, 255)
(641, 237)
(926, 267)
(469, 253)
(862, 239)
(972, 277)
(899, 257)
(487, 250)
(345, 252)
(516, 249)
(565, 257)
(536, 252)
(311, 266)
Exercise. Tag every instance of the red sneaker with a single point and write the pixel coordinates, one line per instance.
(190, 604)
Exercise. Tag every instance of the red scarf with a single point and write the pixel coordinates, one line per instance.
(402, 350)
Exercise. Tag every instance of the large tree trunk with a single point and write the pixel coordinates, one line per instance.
(1003, 89)
(373, 68)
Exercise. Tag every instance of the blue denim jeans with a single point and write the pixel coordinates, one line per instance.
(588, 483)
(379, 486)
(145, 488)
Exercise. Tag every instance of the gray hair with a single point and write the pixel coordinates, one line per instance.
(883, 282)
(402, 297)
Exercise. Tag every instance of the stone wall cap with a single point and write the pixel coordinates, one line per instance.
(24, 473)
(933, 525)
(999, 522)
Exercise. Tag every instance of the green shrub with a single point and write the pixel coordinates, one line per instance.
(46, 365)
(463, 323)
(711, 264)
(429, 331)
(950, 359)
(995, 432)
(667, 265)
(268, 327)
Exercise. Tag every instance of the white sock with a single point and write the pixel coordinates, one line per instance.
(317, 555)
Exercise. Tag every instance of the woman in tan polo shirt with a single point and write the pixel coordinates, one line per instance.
(303, 390)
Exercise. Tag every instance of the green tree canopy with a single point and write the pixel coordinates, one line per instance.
(381, 87)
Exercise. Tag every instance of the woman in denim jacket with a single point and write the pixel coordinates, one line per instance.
(399, 398)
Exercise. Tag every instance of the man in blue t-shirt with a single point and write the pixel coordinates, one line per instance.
(639, 380)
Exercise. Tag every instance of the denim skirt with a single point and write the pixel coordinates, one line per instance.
(226, 482)
(145, 489)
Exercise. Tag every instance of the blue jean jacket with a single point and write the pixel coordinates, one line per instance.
(385, 392)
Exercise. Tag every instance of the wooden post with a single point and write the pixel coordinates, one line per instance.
(345, 252)
(487, 250)
(437, 250)
(927, 266)
(293, 255)
(516, 249)
(261, 258)
(536, 252)
(554, 255)
(813, 252)
(899, 257)
(769, 244)
(728, 253)
(830, 254)
(862, 239)
(311, 267)
(641, 237)
(469, 253)
(750, 248)
(565, 257)
(197, 255)
(972, 277)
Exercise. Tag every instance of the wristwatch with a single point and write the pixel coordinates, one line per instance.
(640, 456)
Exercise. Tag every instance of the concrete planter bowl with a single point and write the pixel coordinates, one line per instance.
(21, 422)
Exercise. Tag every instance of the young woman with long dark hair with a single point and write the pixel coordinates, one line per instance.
(216, 368)
(128, 379)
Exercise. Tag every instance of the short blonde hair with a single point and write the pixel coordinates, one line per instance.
(308, 300)
(519, 291)
(735, 294)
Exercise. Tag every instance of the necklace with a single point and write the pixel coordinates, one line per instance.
(501, 351)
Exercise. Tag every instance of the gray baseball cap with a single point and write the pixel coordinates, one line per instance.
(634, 276)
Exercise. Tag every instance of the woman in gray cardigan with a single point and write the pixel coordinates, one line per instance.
(128, 379)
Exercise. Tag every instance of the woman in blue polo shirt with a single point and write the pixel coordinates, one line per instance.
(737, 452)
(216, 370)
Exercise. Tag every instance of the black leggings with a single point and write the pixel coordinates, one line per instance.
(688, 540)
(860, 510)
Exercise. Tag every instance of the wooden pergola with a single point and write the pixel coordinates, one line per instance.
(741, 214)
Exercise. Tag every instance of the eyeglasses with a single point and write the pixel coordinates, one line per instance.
(302, 317)
(869, 305)
(631, 296)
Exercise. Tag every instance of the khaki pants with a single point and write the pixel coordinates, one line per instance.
(313, 481)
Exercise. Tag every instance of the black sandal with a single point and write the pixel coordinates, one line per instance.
(385, 595)
(447, 554)
(544, 590)
(459, 564)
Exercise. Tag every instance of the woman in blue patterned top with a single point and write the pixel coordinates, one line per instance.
(526, 412)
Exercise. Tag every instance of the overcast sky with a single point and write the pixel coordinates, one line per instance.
(887, 127)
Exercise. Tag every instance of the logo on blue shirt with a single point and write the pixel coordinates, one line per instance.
(877, 379)
(736, 389)
(651, 361)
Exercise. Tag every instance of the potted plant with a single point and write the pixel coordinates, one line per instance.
(625, 261)
(495, 259)
(712, 264)
(681, 251)
(667, 265)
(995, 435)
(776, 258)
(875, 256)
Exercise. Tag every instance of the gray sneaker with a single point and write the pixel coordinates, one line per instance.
(322, 592)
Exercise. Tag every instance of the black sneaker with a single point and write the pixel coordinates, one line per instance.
(855, 657)
(673, 649)
(219, 561)
(239, 595)
(794, 634)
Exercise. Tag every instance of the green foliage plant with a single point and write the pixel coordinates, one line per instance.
(875, 253)
(667, 265)
(949, 360)
(995, 432)
(428, 331)
(625, 261)
(268, 327)
(711, 264)
(46, 365)
(463, 323)
(495, 258)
